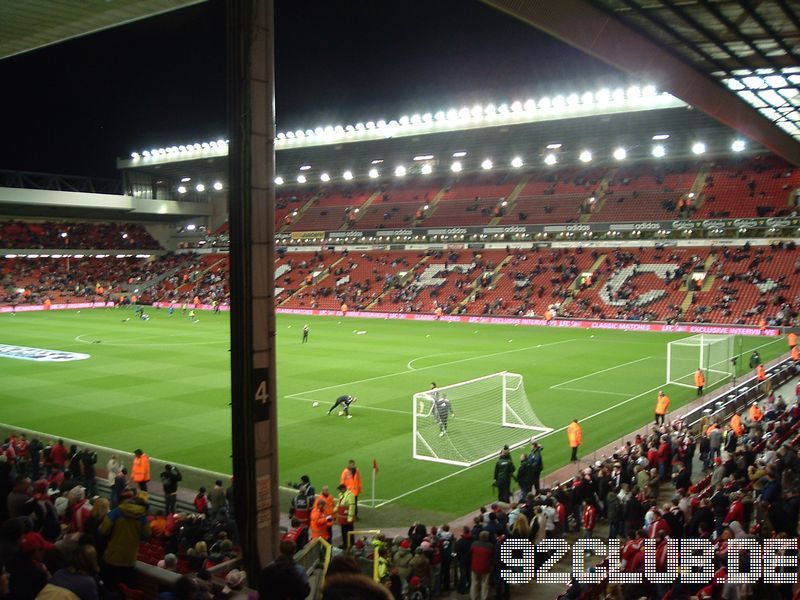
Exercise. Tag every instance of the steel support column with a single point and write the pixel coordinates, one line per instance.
(251, 92)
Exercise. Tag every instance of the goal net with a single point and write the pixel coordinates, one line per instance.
(710, 353)
(467, 423)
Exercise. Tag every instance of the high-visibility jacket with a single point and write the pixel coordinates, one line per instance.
(699, 378)
(755, 413)
(344, 309)
(762, 325)
(330, 503)
(736, 424)
(141, 468)
(711, 428)
(761, 373)
(662, 404)
(320, 525)
(346, 508)
(796, 354)
(574, 435)
(792, 339)
(352, 481)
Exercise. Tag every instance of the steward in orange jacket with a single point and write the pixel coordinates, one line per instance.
(662, 404)
(699, 381)
(320, 520)
(792, 339)
(351, 479)
(736, 424)
(755, 413)
(140, 471)
(796, 355)
(575, 437)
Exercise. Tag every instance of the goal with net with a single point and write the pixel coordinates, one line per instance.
(711, 354)
(469, 422)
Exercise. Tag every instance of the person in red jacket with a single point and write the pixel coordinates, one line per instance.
(659, 525)
(588, 519)
(58, 455)
(736, 511)
(481, 556)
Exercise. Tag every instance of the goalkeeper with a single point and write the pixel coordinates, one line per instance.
(442, 409)
(344, 402)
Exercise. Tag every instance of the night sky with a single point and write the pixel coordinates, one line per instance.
(73, 107)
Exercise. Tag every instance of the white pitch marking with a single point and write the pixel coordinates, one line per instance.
(444, 364)
(632, 362)
(585, 391)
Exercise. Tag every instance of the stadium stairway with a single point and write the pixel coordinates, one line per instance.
(300, 211)
(699, 185)
(362, 210)
(497, 274)
(600, 194)
(512, 198)
(432, 205)
(409, 276)
(325, 272)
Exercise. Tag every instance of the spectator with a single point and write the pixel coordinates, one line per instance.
(216, 499)
(124, 527)
(170, 477)
(79, 577)
(350, 586)
(141, 469)
(283, 578)
(481, 555)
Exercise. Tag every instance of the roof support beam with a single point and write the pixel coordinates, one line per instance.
(589, 29)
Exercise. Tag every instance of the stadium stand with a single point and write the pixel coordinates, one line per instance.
(63, 235)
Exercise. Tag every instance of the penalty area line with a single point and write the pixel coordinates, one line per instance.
(632, 362)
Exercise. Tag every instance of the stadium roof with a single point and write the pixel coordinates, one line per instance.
(26, 26)
(735, 60)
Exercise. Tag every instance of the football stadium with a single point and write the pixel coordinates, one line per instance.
(404, 356)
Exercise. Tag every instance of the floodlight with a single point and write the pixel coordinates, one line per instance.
(463, 113)
(585, 156)
(301, 179)
(190, 227)
(456, 167)
(328, 130)
(459, 154)
(553, 146)
(477, 111)
(440, 115)
(698, 148)
(181, 189)
(212, 144)
(587, 98)
(206, 145)
(634, 92)
(428, 117)
(63, 234)
(649, 91)
(530, 105)
(420, 157)
(550, 159)
(280, 136)
(279, 180)
(290, 135)
(502, 109)
(218, 186)
(516, 106)
(359, 127)
(427, 169)
(349, 129)
(415, 119)
(559, 102)
(452, 114)
(377, 161)
(181, 148)
(486, 164)
(400, 171)
(185, 179)
(370, 125)
(490, 109)
(738, 145)
(347, 175)
(325, 177)
(573, 100)
(318, 131)
(544, 102)
(200, 187)
(305, 167)
(620, 154)
(404, 120)
(603, 95)
(134, 155)
(146, 153)
(659, 151)
(338, 130)
(661, 136)
(618, 95)
(516, 162)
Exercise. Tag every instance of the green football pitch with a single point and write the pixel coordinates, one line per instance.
(163, 385)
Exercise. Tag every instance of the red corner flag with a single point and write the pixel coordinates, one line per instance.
(375, 465)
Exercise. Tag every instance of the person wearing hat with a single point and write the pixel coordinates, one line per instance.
(124, 528)
(283, 577)
(503, 472)
(235, 582)
(141, 469)
(345, 513)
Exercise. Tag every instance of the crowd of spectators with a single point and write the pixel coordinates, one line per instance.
(68, 235)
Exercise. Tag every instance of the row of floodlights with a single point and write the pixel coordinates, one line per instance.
(220, 145)
(479, 112)
(585, 156)
(647, 94)
(199, 187)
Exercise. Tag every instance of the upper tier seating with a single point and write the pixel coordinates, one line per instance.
(58, 235)
(759, 187)
(397, 204)
(331, 208)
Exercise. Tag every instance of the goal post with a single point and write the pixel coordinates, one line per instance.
(470, 422)
(712, 354)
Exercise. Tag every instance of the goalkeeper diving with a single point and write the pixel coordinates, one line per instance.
(344, 402)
